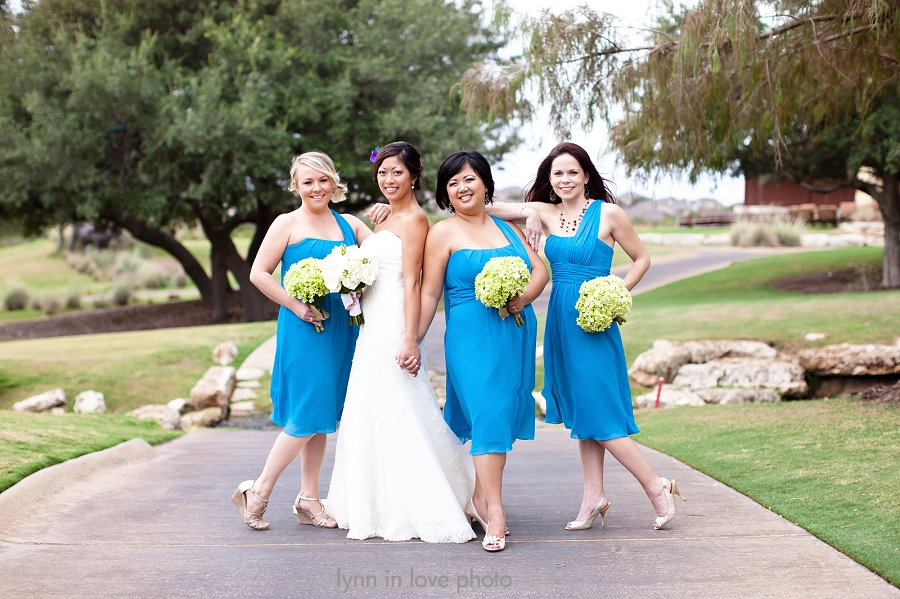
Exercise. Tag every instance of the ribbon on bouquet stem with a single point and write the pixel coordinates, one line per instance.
(353, 306)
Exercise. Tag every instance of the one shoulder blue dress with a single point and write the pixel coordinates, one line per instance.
(309, 379)
(585, 374)
(490, 361)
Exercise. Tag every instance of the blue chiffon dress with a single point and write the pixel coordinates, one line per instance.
(309, 379)
(490, 361)
(585, 374)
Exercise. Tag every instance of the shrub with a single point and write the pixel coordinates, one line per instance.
(788, 235)
(101, 303)
(73, 300)
(766, 233)
(181, 280)
(16, 298)
(50, 305)
(152, 276)
(36, 303)
(121, 295)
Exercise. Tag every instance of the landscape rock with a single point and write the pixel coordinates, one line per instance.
(243, 406)
(89, 402)
(163, 415)
(814, 240)
(241, 394)
(180, 405)
(672, 396)
(214, 389)
(814, 336)
(651, 238)
(713, 349)
(849, 240)
(852, 360)
(251, 384)
(867, 228)
(248, 373)
(687, 239)
(202, 418)
(727, 396)
(225, 353)
(875, 241)
(785, 377)
(718, 239)
(41, 403)
(58, 410)
(662, 360)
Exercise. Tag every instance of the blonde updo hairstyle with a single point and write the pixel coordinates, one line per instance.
(322, 163)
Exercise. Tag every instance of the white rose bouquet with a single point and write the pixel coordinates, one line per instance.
(602, 301)
(346, 270)
(499, 280)
(304, 281)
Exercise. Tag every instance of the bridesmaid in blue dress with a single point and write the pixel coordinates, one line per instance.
(490, 361)
(585, 374)
(309, 379)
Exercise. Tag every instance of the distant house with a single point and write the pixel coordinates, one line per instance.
(787, 193)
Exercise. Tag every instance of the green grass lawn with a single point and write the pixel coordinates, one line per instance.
(29, 442)
(35, 264)
(130, 369)
(829, 466)
(704, 230)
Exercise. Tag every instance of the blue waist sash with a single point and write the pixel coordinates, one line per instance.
(576, 274)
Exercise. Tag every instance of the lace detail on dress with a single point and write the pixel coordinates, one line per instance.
(399, 472)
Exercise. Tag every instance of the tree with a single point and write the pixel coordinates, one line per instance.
(727, 85)
(155, 116)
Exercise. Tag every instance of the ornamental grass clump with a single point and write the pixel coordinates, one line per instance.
(602, 301)
(16, 298)
(500, 280)
(304, 281)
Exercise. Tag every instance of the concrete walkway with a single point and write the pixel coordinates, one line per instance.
(166, 528)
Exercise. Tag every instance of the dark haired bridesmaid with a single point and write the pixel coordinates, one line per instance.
(585, 374)
(490, 361)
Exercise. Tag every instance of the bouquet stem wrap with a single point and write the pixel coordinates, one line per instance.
(500, 280)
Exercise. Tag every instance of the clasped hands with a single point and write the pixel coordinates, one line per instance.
(410, 357)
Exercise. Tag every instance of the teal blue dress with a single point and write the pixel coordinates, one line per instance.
(309, 379)
(585, 374)
(490, 361)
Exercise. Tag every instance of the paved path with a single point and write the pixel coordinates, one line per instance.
(167, 528)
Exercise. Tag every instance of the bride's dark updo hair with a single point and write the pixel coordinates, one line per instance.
(457, 162)
(541, 189)
(407, 154)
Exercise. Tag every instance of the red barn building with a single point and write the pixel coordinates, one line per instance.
(787, 193)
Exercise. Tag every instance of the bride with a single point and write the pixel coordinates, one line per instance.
(399, 471)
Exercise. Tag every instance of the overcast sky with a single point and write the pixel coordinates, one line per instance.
(518, 167)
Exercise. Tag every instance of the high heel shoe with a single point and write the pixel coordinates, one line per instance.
(319, 520)
(589, 521)
(255, 521)
(500, 542)
(472, 513)
(670, 488)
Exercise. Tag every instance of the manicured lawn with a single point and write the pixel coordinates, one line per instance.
(35, 264)
(130, 369)
(29, 442)
(830, 466)
(737, 302)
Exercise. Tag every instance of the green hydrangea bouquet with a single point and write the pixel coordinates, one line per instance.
(501, 279)
(304, 281)
(602, 301)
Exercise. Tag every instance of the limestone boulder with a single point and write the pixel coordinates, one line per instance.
(214, 389)
(713, 349)
(718, 239)
(651, 238)
(41, 403)
(163, 415)
(848, 240)
(225, 353)
(202, 418)
(851, 360)
(251, 384)
(686, 239)
(672, 396)
(249, 373)
(662, 360)
(179, 404)
(728, 396)
(89, 402)
(785, 377)
(814, 240)
(242, 407)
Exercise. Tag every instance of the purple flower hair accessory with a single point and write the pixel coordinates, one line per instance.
(374, 155)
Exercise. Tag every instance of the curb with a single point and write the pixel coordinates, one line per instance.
(35, 493)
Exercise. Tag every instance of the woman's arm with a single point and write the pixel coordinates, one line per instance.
(623, 233)
(518, 213)
(267, 258)
(539, 278)
(414, 231)
(437, 252)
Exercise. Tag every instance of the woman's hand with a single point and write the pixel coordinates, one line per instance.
(410, 357)
(533, 228)
(377, 213)
(516, 304)
(307, 313)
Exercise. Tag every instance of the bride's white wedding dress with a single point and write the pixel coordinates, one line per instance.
(399, 471)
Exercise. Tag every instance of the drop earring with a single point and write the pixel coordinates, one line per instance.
(487, 198)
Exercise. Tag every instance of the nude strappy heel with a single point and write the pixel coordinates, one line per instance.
(251, 519)
(670, 488)
(472, 513)
(589, 521)
(319, 520)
